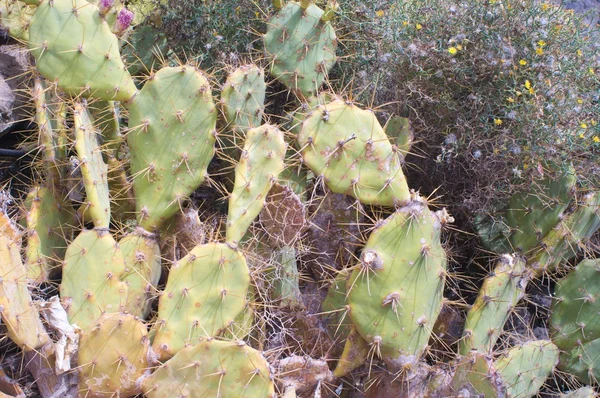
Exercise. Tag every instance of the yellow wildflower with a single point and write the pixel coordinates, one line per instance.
(579, 53)
(510, 99)
(525, 166)
(522, 62)
(419, 26)
(497, 122)
(592, 72)
(545, 6)
(581, 135)
(458, 47)
(583, 125)
(404, 23)
(379, 13)
(594, 122)
(579, 101)
(596, 139)
(452, 50)
(527, 84)
(541, 43)
(539, 51)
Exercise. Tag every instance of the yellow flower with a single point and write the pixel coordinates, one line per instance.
(583, 125)
(539, 51)
(579, 101)
(379, 13)
(497, 122)
(527, 84)
(541, 43)
(596, 139)
(419, 26)
(593, 122)
(522, 62)
(525, 166)
(510, 99)
(581, 135)
(579, 53)
(452, 50)
(458, 47)
(404, 23)
(545, 6)
(592, 72)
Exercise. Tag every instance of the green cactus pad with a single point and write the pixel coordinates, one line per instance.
(301, 47)
(143, 261)
(74, 47)
(259, 166)
(112, 356)
(575, 324)
(49, 227)
(355, 354)
(212, 369)
(93, 169)
(532, 214)
(172, 124)
(15, 16)
(91, 279)
(205, 292)
(348, 147)
(497, 298)
(569, 237)
(525, 368)
(243, 97)
(583, 392)
(399, 131)
(17, 310)
(395, 293)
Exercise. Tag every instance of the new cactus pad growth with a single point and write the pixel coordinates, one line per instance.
(205, 292)
(575, 325)
(75, 48)
(259, 166)
(301, 46)
(113, 355)
(91, 283)
(348, 147)
(243, 98)
(212, 369)
(172, 124)
(395, 293)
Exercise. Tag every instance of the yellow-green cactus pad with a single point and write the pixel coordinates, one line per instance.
(212, 369)
(172, 135)
(347, 146)
(205, 292)
(91, 280)
(15, 16)
(74, 47)
(112, 356)
(258, 168)
(243, 98)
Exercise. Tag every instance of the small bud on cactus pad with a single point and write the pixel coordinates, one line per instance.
(124, 20)
(105, 6)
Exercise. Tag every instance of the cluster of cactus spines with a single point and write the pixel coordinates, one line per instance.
(498, 296)
(15, 16)
(301, 46)
(567, 238)
(141, 253)
(261, 161)
(212, 368)
(93, 168)
(243, 98)
(50, 222)
(532, 214)
(75, 48)
(91, 282)
(574, 323)
(519, 373)
(113, 355)
(173, 110)
(347, 146)
(395, 293)
(17, 310)
(205, 292)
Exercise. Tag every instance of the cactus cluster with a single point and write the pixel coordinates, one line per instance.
(213, 317)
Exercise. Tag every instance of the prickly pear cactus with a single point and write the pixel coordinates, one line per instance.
(172, 124)
(205, 292)
(17, 310)
(301, 46)
(212, 369)
(348, 147)
(91, 278)
(574, 324)
(74, 47)
(15, 16)
(113, 355)
(395, 294)
(256, 172)
(243, 98)
(498, 296)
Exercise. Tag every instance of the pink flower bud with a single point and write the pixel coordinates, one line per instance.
(104, 6)
(124, 20)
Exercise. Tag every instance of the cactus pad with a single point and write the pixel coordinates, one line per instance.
(348, 147)
(243, 97)
(212, 369)
(301, 47)
(15, 16)
(74, 47)
(91, 283)
(113, 355)
(205, 292)
(259, 166)
(172, 126)
(395, 294)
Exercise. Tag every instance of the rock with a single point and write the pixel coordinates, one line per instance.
(14, 64)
